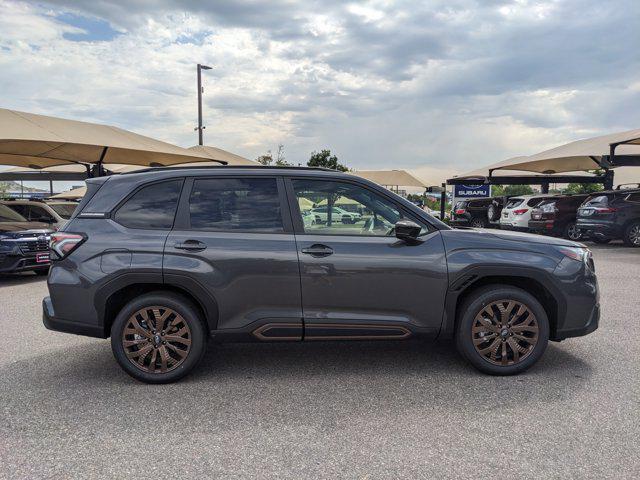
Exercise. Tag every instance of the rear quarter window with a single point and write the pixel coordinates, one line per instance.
(151, 207)
(599, 200)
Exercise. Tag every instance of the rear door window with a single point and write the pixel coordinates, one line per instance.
(634, 197)
(151, 207)
(236, 204)
(513, 202)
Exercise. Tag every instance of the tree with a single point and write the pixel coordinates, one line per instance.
(268, 159)
(583, 188)
(510, 190)
(326, 160)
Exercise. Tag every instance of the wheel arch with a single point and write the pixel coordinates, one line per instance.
(535, 284)
(111, 298)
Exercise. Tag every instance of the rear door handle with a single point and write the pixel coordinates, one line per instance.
(318, 250)
(191, 245)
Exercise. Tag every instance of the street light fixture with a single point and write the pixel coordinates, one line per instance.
(200, 127)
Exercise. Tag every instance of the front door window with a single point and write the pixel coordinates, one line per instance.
(341, 208)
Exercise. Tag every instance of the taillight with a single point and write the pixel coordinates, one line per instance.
(520, 211)
(460, 211)
(604, 209)
(62, 243)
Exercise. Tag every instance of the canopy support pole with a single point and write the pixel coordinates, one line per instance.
(443, 200)
(544, 188)
(99, 165)
(51, 187)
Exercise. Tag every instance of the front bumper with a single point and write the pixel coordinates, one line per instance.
(590, 326)
(10, 263)
(58, 325)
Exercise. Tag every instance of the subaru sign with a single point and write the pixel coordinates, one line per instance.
(472, 191)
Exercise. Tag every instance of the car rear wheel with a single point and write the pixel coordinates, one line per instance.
(158, 337)
(631, 236)
(502, 330)
(572, 232)
(478, 223)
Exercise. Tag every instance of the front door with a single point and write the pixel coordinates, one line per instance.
(233, 237)
(358, 280)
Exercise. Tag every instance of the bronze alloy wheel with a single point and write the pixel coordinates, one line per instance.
(156, 339)
(505, 332)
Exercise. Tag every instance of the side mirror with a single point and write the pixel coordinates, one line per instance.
(407, 230)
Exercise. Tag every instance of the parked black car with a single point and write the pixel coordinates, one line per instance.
(24, 245)
(161, 260)
(613, 214)
(477, 213)
(557, 216)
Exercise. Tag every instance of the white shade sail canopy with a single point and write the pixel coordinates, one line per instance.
(37, 141)
(222, 155)
(575, 156)
(75, 194)
(394, 178)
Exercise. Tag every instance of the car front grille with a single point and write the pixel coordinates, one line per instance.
(34, 246)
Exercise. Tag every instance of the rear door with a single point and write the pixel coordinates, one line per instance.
(358, 280)
(233, 238)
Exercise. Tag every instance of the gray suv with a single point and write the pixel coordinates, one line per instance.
(163, 260)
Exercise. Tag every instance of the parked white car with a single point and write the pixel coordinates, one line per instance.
(517, 211)
(309, 219)
(54, 213)
(337, 215)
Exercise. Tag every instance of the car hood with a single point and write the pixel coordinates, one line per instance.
(518, 237)
(22, 228)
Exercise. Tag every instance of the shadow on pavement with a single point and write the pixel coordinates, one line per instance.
(22, 278)
(84, 381)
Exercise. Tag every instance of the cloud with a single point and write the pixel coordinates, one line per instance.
(383, 83)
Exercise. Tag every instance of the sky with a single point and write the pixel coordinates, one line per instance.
(452, 84)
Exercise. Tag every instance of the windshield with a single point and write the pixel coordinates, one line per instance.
(8, 215)
(65, 210)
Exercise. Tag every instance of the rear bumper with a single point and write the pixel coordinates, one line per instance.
(598, 229)
(59, 325)
(514, 227)
(459, 222)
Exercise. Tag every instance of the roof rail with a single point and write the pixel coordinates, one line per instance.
(227, 167)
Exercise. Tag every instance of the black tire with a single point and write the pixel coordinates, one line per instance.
(41, 272)
(478, 222)
(631, 237)
(600, 240)
(475, 304)
(571, 232)
(182, 307)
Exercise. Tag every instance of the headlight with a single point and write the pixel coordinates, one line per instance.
(575, 253)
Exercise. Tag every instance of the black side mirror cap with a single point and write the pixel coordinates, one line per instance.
(407, 230)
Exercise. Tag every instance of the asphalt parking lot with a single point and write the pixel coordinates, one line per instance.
(341, 410)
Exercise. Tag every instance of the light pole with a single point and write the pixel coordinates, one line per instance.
(200, 127)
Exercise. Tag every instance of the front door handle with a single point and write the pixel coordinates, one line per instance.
(191, 245)
(318, 250)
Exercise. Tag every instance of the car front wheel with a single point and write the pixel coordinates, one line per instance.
(502, 330)
(158, 337)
